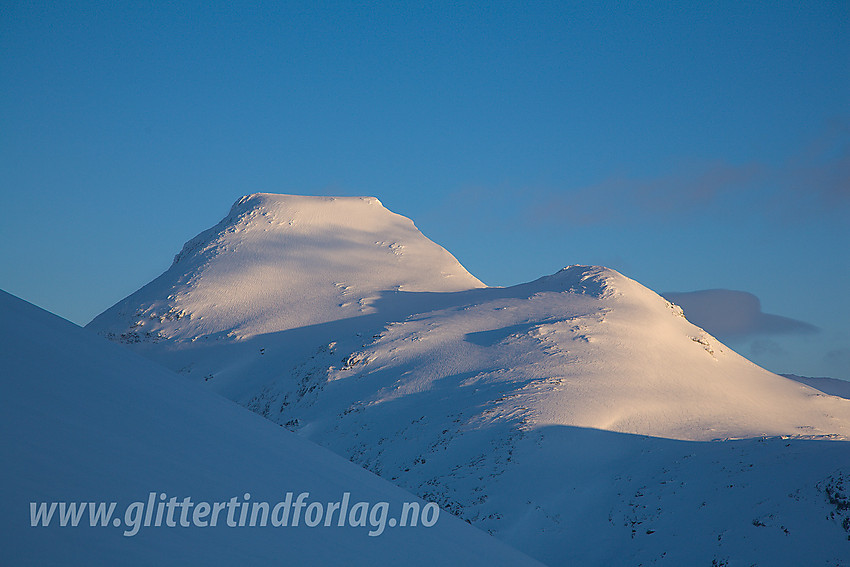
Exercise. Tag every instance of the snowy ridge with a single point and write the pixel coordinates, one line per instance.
(525, 410)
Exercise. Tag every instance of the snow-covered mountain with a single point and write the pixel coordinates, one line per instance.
(83, 420)
(570, 416)
(279, 262)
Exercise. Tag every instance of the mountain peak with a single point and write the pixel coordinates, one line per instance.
(277, 262)
(597, 281)
(295, 213)
(279, 203)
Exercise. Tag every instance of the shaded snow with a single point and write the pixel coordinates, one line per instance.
(85, 420)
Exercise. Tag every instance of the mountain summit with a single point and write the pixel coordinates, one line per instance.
(278, 262)
(295, 280)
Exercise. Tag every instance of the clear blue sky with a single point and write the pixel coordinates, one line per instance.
(698, 146)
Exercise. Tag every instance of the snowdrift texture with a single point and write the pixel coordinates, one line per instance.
(570, 416)
(83, 420)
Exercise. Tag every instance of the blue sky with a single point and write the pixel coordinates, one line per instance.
(692, 147)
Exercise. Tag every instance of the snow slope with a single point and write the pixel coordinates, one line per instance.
(85, 420)
(588, 347)
(278, 262)
(526, 410)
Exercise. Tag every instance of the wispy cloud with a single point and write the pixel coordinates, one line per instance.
(727, 313)
(814, 181)
(684, 191)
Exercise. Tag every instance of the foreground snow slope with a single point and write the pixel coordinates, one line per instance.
(85, 420)
(525, 409)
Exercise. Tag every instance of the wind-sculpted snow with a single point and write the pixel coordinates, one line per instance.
(540, 411)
